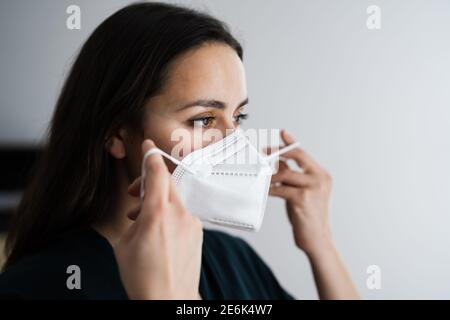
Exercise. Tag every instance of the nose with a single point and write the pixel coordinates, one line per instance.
(228, 126)
(225, 125)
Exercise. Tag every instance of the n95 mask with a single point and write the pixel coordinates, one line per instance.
(225, 183)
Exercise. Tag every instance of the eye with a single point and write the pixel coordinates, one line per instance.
(204, 122)
(240, 117)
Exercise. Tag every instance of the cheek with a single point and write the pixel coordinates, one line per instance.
(170, 166)
(133, 161)
(175, 138)
(179, 148)
(161, 132)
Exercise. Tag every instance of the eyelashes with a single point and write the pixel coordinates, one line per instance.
(240, 117)
(207, 122)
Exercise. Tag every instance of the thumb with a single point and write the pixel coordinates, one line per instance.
(134, 187)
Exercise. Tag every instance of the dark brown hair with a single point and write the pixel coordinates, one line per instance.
(123, 63)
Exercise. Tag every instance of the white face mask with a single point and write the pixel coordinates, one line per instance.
(225, 183)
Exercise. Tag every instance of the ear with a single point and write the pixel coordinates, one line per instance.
(116, 144)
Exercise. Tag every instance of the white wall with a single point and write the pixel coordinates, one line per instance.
(372, 106)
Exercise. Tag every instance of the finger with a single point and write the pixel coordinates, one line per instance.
(270, 150)
(306, 162)
(174, 197)
(283, 165)
(299, 155)
(293, 178)
(289, 140)
(156, 177)
(280, 165)
(134, 213)
(134, 187)
(285, 192)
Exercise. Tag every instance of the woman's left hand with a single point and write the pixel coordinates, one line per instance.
(307, 196)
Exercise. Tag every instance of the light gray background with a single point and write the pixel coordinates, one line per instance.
(372, 106)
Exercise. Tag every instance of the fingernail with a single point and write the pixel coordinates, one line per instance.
(287, 135)
(147, 144)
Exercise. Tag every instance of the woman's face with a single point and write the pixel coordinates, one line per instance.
(205, 90)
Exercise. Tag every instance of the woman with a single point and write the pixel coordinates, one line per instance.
(131, 86)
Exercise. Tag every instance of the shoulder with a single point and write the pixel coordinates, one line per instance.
(220, 238)
(239, 269)
(40, 275)
(33, 277)
(226, 242)
(235, 251)
(45, 274)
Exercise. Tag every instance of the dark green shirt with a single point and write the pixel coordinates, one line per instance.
(231, 269)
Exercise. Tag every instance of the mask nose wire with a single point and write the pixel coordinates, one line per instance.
(290, 147)
(164, 154)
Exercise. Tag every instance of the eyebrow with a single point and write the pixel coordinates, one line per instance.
(210, 104)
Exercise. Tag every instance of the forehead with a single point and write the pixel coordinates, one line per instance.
(212, 71)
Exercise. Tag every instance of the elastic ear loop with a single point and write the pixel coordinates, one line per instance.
(168, 156)
(290, 147)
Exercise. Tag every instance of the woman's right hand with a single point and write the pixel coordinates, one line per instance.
(159, 256)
